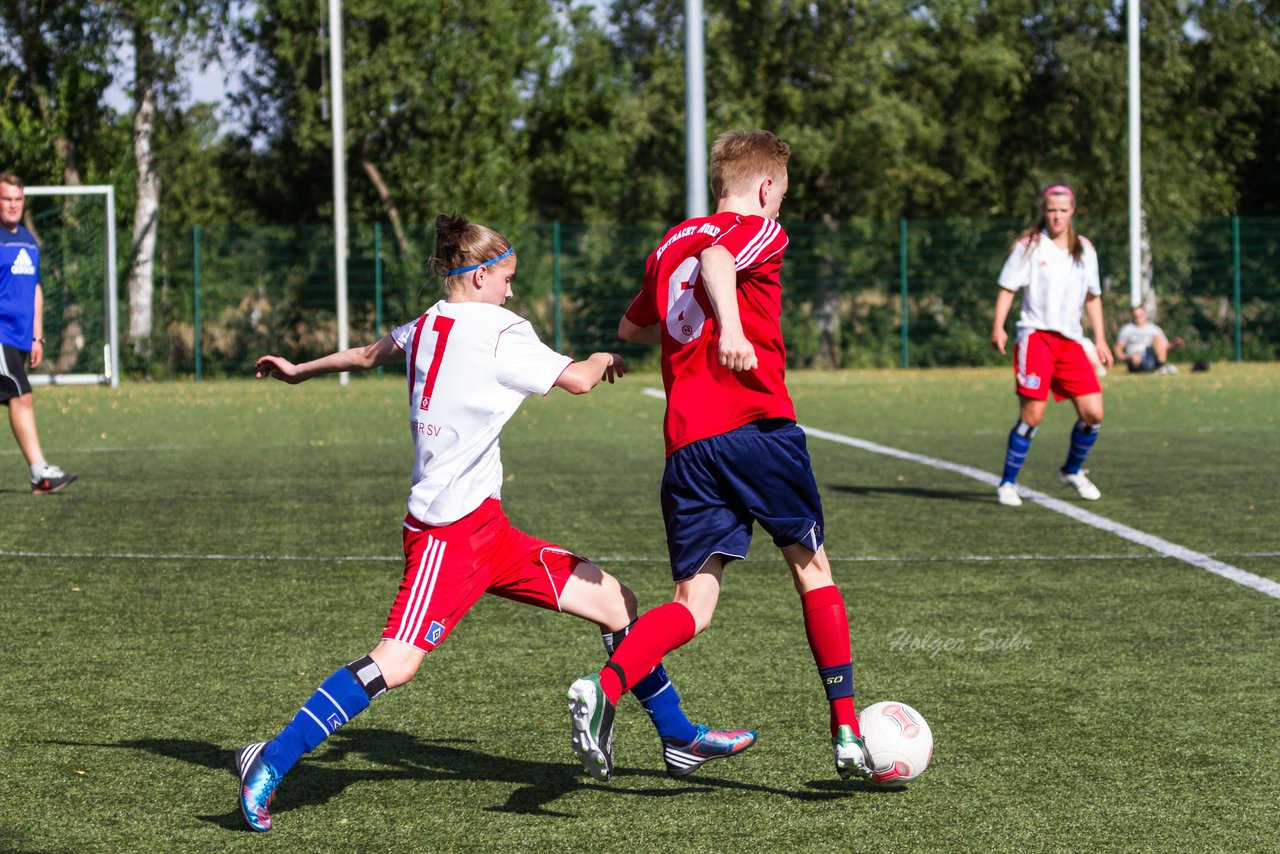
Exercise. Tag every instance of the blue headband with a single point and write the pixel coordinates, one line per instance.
(510, 249)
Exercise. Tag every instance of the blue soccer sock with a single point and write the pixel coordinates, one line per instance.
(1019, 443)
(658, 696)
(1083, 435)
(345, 694)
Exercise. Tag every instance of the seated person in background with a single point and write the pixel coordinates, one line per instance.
(1143, 345)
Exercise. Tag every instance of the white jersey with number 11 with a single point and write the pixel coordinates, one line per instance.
(470, 365)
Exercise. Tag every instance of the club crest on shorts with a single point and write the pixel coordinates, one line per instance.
(434, 632)
(1029, 381)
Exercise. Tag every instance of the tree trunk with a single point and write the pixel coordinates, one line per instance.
(389, 204)
(146, 211)
(1147, 275)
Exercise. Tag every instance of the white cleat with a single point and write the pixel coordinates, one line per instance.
(853, 759)
(1081, 484)
(1007, 494)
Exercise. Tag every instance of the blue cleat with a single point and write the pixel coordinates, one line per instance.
(684, 759)
(258, 782)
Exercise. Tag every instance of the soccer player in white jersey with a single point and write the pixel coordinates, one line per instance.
(470, 364)
(1057, 272)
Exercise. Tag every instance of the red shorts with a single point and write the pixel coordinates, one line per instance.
(1047, 360)
(449, 567)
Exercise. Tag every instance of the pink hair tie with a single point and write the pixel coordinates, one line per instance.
(1057, 189)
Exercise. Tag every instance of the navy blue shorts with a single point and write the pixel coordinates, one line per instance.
(715, 488)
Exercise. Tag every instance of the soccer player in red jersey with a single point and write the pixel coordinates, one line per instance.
(1057, 272)
(713, 300)
(470, 364)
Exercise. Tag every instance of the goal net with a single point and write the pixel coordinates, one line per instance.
(75, 228)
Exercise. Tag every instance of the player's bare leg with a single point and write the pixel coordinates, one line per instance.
(399, 662)
(45, 478)
(22, 418)
(595, 595)
(826, 624)
(701, 593)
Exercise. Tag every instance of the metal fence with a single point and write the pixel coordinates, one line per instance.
(856, 294)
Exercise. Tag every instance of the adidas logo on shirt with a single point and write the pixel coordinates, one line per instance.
(23, 265)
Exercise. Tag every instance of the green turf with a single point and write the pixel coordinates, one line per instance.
(1079, 702)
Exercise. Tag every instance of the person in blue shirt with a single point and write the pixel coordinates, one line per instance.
(22, 332)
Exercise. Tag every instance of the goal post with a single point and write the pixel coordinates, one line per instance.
(81, 325)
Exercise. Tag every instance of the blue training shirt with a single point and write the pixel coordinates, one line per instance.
(19, 275)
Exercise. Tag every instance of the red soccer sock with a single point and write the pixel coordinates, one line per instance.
(656, 633)
(826, 623)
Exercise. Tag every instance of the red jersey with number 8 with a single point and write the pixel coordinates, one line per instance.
(704, 398)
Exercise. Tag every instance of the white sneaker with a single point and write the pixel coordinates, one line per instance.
(1007, 494)
(1168, 369)
(1081, 484)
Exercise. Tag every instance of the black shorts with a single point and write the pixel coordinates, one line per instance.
(13, 373)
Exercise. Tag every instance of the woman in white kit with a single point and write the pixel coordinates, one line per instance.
(1057, 272)
(470, 364)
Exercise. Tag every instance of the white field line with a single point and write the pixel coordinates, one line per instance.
(1164, 547)
(610, 559)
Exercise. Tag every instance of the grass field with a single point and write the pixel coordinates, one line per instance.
(229, 544)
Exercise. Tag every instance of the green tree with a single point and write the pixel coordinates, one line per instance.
(53, 76)
(437, 96)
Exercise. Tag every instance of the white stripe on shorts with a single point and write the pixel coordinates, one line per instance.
(428, 573)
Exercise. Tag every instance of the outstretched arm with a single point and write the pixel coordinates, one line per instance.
(581, 377)
(720, 277)
(381, 352)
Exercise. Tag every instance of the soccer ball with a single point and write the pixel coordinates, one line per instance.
(899, 740)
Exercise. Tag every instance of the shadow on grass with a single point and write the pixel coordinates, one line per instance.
(401, 756)
(987, 497)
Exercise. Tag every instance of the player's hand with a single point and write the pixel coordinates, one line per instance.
(37, 354)
(998, 339)
(736, 352)
(279, 368)
(1104, 353)
(617, 367)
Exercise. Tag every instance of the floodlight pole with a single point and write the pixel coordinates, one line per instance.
(339, 175)
(1135, 159)
(695, 103)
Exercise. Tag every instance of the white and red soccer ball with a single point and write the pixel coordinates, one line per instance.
(899, 740)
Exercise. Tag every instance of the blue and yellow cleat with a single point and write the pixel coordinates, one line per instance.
(258, 782)
(684, 759)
